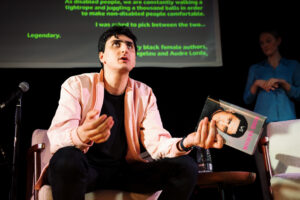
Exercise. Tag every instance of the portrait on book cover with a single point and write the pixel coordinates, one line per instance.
(239, 127)
(227, 120)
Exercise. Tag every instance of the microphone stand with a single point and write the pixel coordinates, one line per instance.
(13, 191)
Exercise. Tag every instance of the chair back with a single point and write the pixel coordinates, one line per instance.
(39, 136)
(284, 146)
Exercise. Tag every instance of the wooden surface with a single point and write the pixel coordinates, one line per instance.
(225, 178)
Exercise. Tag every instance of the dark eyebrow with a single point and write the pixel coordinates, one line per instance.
(124, 41)
(114, 41)
(129, 42)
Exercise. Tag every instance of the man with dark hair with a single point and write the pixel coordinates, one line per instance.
(104, 120)
(115, 31)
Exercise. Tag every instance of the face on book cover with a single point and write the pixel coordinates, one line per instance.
(226, 122)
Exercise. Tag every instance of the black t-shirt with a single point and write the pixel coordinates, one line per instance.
(113, 151)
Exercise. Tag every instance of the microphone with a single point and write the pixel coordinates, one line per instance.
(23, 87)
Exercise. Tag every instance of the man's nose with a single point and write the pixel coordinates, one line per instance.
(124, 48)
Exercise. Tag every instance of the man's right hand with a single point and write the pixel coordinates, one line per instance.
(94, 128)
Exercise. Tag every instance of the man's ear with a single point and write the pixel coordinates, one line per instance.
(101, 55)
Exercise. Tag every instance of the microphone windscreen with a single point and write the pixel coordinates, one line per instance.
(24, 86)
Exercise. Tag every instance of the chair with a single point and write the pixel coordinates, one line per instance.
(39, 155)
(281, 152)
(225, 180)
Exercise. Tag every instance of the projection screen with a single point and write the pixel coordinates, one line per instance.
(64, 33)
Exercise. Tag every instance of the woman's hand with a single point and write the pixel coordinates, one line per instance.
(271, 84)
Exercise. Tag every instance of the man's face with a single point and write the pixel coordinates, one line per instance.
(119, 53)
(226, 122)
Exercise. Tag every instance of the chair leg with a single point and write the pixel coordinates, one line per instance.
(221, 192)
(30, 172)
(228, 194)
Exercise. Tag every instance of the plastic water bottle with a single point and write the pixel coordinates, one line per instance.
(204, 160)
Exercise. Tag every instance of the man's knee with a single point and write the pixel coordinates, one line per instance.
(181, 170)
(68, 160)
(187, 167)
(183, 178)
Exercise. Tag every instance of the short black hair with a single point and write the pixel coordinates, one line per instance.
(243, 126)
(115, 31)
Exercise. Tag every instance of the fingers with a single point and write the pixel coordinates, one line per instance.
(203, 132)
(101, 137)
(268, 85)
(104, 133)
(87, 125)
(261, 83)
(218, 144)
(215, 139)
(101, 125)
(197, 135)
(96, 128)
(207, 135)
(92, 114)
(199, 126)
(272, 84)
(96, 124)
(211, 135)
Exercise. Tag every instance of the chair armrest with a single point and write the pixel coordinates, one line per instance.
(36, 148)
(225, 178)
(33, 168)
(264, 142)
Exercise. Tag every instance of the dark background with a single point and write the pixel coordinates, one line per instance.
(180, 92)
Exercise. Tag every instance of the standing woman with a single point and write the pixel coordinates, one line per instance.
(275, 82)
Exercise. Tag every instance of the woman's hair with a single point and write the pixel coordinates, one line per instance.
(271, 31)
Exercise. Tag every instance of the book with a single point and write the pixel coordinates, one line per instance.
(240, 128)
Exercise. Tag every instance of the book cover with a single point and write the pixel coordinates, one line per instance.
(239, 127)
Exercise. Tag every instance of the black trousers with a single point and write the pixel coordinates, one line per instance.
(71, 176)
